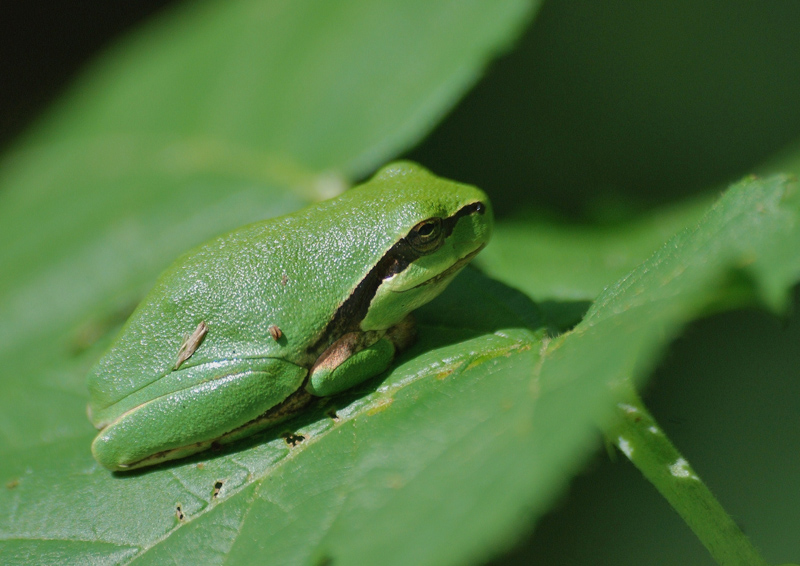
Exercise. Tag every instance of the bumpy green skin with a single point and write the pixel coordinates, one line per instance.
(293, 272)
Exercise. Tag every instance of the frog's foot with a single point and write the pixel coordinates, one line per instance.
(357, 356)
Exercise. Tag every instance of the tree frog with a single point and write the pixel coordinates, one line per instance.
(250, 326)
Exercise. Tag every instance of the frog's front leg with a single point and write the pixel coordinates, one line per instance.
(185, 421)
(357, 356)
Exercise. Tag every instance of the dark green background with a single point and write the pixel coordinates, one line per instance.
(602, 110)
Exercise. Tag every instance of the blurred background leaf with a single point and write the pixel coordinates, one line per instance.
(125, 173)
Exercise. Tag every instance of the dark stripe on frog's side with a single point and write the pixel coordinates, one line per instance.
(352, 311)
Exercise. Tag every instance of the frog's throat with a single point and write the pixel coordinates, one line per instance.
(352, 311)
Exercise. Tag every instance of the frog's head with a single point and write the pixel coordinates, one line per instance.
(437, 225)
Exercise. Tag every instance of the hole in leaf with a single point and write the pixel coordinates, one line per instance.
(293, 439)
(217, 488)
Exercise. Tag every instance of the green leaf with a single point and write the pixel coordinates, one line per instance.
(551, 260)
(473, 428)
(221, 114)
(368, 460)
(745, 250)
(295, 85)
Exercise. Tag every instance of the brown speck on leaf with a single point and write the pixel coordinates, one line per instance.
(284, 280)
(191, 343)
(444, 374)
(217, 488)
(179, 512)
(332, 414)
(293, 439)
(275, 332)
(12, 484)
(200, 466)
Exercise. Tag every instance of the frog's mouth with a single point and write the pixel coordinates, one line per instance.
(457, 266)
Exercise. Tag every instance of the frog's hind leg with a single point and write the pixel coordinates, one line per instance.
(189, 420)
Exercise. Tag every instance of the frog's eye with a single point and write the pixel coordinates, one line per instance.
(426, 237)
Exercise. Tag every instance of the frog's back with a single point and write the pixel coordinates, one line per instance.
(291, 272)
